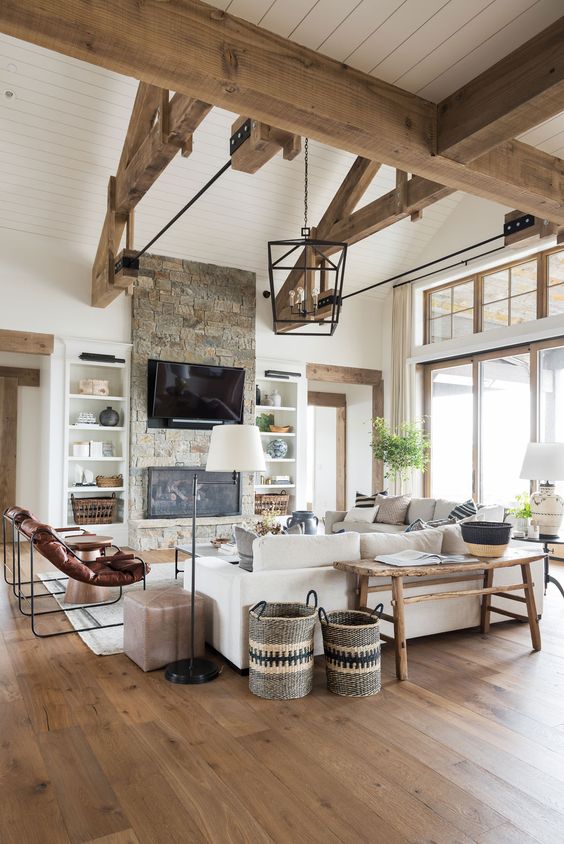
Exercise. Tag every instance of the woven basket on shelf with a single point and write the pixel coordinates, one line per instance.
(281, 649)
(94, 511)
(109, 480)
(275, 504)
(351, 641)
(486, 539)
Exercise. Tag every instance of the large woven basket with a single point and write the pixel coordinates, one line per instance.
(351, 641)
(486, 539)
(281, 649)
(275, 504)
(94, 511)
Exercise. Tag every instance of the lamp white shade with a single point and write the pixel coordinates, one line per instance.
(235, 448)
(543, 462)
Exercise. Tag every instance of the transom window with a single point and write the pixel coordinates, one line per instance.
(509, 295)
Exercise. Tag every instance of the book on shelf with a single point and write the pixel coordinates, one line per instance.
(410, 557)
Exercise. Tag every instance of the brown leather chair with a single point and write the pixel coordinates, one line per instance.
(112, 570)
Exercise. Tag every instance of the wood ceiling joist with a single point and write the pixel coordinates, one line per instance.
(28, 342)
(196, 49)
(514, 95)
(150, 145)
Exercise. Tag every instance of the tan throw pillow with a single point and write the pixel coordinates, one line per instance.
(361, 514)
(452, 540)
(393, 509)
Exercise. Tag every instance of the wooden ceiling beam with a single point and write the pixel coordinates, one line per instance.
(28, 342)
(150, 145)
(514, 95)
(194, 48)
(263, 144)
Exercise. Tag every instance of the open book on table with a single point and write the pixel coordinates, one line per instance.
(411, 557)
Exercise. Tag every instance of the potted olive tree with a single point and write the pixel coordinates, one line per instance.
(402, 450)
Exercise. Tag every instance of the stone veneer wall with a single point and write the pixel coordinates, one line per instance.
(197, 313)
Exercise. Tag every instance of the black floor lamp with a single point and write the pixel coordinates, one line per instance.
(234, 448)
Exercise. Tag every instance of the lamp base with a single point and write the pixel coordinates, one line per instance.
(187, 671)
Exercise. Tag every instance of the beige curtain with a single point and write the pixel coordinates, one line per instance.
(401, 351)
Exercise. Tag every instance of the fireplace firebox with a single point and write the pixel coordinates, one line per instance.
(169, 493)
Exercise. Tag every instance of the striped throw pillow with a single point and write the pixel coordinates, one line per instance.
(418, 524)
(362, 500)
(462, 511)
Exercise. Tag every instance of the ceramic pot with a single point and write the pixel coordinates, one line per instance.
(277, 449)
(306, 518)
(109, 417)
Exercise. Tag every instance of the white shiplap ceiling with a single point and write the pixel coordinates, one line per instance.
(61, 135)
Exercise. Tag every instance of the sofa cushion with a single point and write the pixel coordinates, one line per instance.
(420, 508)
(361, 514)
(393, 509)
(298, 552)
(367, 527)
(452, 540)
(372, 544)
(443, 508)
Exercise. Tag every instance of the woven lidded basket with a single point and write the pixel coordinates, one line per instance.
(281, 649)
(351, 641)
(486, 539)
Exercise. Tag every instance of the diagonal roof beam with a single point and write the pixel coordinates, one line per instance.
(514, 95)
(196, 49)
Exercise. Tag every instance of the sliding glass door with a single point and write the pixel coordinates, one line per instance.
(551, 398)
(451, 432)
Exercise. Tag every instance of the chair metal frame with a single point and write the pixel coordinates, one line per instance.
(32, 597)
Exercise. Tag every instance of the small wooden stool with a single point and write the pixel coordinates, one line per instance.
(156, 626)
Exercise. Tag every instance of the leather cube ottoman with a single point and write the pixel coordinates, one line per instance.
(156, 626)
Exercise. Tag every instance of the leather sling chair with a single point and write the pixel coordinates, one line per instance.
(111, 570)
(12, 518)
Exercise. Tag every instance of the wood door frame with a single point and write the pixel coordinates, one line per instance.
(11, 379)
(364, 377)
(339, 402)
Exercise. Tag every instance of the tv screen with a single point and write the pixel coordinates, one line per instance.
(196, 392)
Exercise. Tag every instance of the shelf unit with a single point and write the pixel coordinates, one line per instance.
(292, 412)
(118, 376)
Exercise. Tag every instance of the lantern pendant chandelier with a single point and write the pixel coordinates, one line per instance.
(307, 275)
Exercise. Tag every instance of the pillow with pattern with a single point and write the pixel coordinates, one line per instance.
(362, 500)
(462, 511)
(393, 509)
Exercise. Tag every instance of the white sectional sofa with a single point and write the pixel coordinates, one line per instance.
(285, 568)
(427, 509)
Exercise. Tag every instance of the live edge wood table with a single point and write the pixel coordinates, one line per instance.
(485, 566)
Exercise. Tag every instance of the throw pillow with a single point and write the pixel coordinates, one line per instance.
(452, 540)
(244, 539)
(362, 500)
(418, 524)
(462, 511)
(361, 514)
(393, 509)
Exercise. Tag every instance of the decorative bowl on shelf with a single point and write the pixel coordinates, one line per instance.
(277, 449)
(280, 429)
(486, 539)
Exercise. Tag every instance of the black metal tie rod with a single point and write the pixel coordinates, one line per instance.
(130, 261)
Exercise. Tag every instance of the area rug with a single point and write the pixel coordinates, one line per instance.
(110, 641)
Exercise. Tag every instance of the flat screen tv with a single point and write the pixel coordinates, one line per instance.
(195, 393)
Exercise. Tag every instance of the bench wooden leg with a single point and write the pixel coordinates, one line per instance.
(485, 611)
(531, 606)
(400, 643)
(362, 592)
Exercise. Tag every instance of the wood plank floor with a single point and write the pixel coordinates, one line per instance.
(470, 749)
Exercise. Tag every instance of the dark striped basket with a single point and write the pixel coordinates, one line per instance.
(351, 640)
(281, 649)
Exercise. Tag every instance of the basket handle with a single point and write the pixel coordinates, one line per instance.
(321, 611)
(314, 593)
(378, 610)
(262, 605)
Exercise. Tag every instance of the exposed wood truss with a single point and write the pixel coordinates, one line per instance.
(158, 129)
(209, 55)
(262, 145)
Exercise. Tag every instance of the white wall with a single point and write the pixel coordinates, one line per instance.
(359, 434)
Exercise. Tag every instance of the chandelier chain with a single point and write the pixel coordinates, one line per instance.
(306, 184)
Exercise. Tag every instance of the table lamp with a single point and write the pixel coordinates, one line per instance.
(235, 448)
(545, 461)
